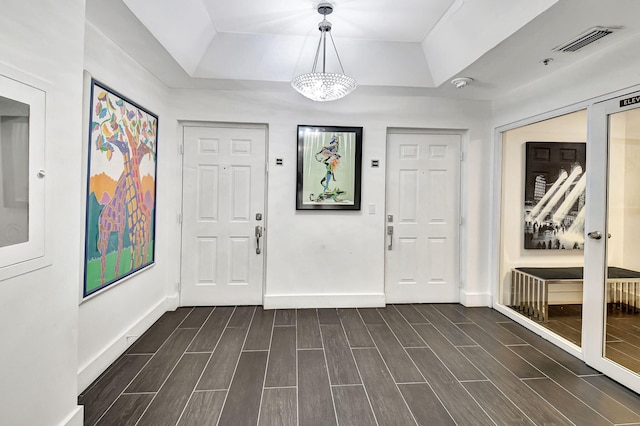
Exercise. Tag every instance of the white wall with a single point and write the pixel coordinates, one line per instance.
(39, 310)
(112, 319)
(299, 247)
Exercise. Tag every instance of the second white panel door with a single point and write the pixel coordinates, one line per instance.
(422, 241)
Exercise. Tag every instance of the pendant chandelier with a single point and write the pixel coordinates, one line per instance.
(324, 86)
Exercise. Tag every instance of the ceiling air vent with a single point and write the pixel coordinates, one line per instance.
(585, 39)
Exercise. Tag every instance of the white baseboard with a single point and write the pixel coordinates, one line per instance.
(92, 369)
(475, 299)
(342, 300)
(173, 302)
(76, 418)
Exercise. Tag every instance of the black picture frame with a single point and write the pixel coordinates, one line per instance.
(554, 195)
(329, 168)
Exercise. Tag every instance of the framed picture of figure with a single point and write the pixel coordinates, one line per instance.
(329, 168)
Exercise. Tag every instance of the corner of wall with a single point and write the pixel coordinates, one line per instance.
(469, 299)
(92, 369)
(76, 418)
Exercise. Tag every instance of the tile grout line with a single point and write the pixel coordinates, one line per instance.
(266, 367)
(175, 365)
(235, 369)
(204, 368)
(326, 367)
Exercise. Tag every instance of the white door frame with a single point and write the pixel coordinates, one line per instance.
(264, 239)
(463, 133)
(594, 312)
(496, 231)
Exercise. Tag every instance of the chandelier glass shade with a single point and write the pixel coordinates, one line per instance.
(324, 86)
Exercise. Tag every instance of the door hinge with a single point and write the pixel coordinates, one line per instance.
(179, 217)
(461, 221)
(181, 149)
(461, 156)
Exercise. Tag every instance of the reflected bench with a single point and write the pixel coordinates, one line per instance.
(530, 288)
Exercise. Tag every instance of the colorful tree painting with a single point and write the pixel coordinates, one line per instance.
(120, 221)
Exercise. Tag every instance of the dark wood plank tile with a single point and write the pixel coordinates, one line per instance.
(570, 362)
(352, 406)
(514, 363)
(259, 337)
(340, 363)
(160, 331)
(208, 336)
(315, 403)
(444, 326)
(242, 316)
(167, 406)
(496, 404)
(452, 312)
(219, 371)
(370, 316)
(529, 402)
(485, 312)
(106, 389)
(285, 317)
(457, 363)
(281, 370)
(243, 401)
(357, 333)
(387, 402)
(126, 411)
(399, 363)
(561, 328)
(451, 393)
(489, 324)
(204, 408)
(621, 394)
(411, 315)
(574, 409)
(594, 398)
(157, 370)
(401, 328)
(425, 405)
(279, 407)
(197, 317)
(308, 329)
(328, 316)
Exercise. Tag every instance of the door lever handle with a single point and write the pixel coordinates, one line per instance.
(258, 235)
(390, 234)
(595, 235)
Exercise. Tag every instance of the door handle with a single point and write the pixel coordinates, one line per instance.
(390, 234)
(595, 235)
(258, 235)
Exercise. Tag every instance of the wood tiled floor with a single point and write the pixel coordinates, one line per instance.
(400, 365)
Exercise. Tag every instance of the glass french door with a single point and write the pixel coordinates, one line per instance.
(611, 320)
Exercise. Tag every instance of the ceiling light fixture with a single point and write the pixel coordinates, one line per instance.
(324, 86)
(461, 82)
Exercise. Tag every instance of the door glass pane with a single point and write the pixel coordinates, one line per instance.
(543, 206)
(623, 245)
(14, 172)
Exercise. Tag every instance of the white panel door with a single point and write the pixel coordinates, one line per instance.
(223, 194)
(422, 241)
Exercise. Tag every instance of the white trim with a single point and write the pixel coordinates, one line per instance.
(540, 331)
(93, 368)
(75, 418)
(340, 300)
(474, 299)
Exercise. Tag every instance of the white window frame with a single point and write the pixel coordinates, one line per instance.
(24, 257)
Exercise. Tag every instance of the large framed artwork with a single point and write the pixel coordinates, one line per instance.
(554, 200)
(121, 188)
(329, 168)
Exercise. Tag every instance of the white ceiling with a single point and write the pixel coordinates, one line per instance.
(383, 44)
